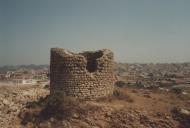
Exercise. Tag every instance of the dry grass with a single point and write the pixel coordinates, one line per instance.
(118, 94)
(122, 95)
(70, 107)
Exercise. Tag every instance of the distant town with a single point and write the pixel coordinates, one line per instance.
(162, 75)
(24, 74)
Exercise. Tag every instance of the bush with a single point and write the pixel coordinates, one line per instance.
(177, 90)
(120, 84)
(118, 94)
(121, 95)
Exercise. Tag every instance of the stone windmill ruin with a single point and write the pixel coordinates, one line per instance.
(86, 75)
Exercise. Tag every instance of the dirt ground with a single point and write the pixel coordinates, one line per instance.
(28, 106)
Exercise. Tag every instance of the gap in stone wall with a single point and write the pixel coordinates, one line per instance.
(91, 58)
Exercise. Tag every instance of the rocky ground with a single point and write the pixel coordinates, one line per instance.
(27, 106)
(13, 100)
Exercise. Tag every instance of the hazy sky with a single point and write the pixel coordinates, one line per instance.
(136, 30)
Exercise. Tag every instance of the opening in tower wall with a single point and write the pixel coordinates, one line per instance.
(91, 58)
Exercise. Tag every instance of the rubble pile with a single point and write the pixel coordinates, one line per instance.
(130, 118)
(101, 116)
(13, 100)
(182, 115)
(124, 118)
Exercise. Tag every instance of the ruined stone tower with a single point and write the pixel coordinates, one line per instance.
(86, 75)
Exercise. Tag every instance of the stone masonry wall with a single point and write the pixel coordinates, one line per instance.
(86, 75)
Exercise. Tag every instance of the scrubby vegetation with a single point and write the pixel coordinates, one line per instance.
(177, 90)
(118, 94)
(123, 84)
(127, 107)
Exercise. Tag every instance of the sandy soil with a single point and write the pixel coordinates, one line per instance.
(27, 106)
